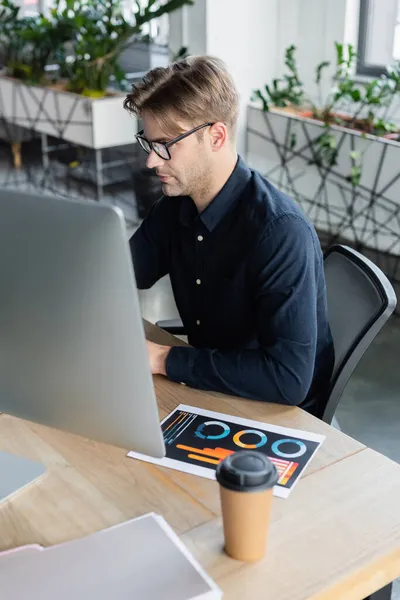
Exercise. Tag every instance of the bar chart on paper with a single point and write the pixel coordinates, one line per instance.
(197, 440)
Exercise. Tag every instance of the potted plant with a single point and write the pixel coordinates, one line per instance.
(74, 102)
(365, 104)
(283, 93)
(103, 33)
(338, 156)
(30, 43)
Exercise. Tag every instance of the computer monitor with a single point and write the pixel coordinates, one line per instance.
(72, 346)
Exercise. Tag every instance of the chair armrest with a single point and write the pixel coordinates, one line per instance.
(174, 326)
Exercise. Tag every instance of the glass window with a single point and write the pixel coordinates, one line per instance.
(378, 36)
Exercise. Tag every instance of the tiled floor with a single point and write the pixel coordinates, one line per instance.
(63, 182)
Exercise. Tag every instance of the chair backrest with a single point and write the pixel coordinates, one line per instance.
(360, 301)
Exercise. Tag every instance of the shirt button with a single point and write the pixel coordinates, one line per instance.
(198, 281)
(200, 238)
(197, 322)
(182, 383)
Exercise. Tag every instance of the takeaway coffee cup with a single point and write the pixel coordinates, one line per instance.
(246, 480)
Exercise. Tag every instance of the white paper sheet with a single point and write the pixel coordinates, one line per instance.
(196, 440)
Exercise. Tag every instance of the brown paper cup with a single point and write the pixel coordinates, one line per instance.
(246, 517)
(246, 481)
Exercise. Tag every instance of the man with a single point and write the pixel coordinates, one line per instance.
(245, 263)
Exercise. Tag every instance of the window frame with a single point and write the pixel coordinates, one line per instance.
(363, 68)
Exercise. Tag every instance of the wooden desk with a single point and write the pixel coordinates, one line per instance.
(336, 537)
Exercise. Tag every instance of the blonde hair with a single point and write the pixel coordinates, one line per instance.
(196, 90)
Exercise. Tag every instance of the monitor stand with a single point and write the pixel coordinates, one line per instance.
(16, 473)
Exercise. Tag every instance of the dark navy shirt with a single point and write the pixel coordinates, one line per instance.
(248, 279)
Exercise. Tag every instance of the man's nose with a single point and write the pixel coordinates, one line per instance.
(153, 160)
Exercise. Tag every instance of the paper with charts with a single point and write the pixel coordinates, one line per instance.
(197, 440)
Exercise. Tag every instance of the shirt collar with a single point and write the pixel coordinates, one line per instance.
(223, 201)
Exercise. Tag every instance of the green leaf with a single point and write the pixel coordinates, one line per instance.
(319, 70)
(354, 154)
(339, 53)
(182, 53)
(332, 141)
(381, 127)
(351, 55)
(275, 84)
(290, 60)
(355, 95)
(257, 95)
(355, 175)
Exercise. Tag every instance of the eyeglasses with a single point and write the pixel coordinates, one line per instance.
(162, 149)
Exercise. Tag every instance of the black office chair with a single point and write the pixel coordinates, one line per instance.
(360, 301)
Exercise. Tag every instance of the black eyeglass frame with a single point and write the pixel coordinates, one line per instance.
(139, 136)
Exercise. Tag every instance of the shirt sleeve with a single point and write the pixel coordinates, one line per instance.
(285, 267)
(150, 246)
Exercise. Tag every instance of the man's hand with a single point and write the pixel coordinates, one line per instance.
(158, 357)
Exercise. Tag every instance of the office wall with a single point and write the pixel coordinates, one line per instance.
(251, 36)
(312, 26)
(241, 32)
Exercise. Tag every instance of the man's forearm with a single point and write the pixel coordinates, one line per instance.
(253, 374)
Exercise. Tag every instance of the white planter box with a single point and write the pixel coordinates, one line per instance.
(367, 215)
(94, 123)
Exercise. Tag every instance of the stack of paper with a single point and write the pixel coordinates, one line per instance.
(141, 559)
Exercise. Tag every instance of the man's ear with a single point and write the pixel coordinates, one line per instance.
(218, 136)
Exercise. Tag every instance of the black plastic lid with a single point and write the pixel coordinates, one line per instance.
(247, 471)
